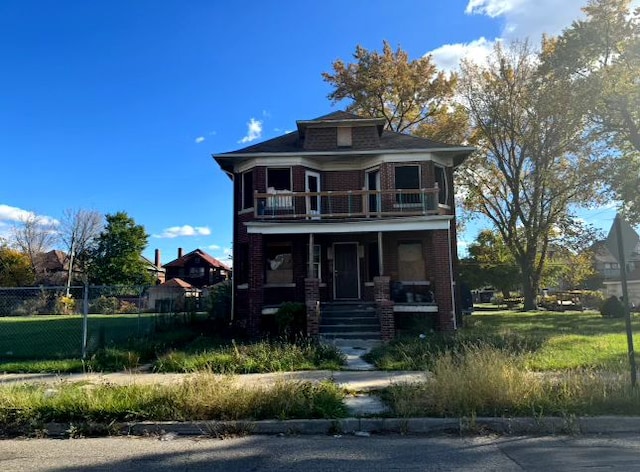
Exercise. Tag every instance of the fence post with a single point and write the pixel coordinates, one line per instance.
(85, 320)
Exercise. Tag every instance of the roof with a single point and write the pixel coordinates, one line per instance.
(53, 260)
(176, 282)
(212, 261)
(292, 142)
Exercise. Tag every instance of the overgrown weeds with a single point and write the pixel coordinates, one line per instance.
(487, 381)
(202, 397)
(263, 356)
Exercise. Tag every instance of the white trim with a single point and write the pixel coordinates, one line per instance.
(370, 159)
(357, 269)
(446, 183)
(307, 200)
(234, 155)
(420, 223)
(246, 210)
(402, 308)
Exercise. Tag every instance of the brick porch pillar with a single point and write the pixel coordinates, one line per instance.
(312, 303)
(442, 279)
(256, 283)
(384, 307)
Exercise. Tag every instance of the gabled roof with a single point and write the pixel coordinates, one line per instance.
(54, 260)
(212, 261)
(176, 282)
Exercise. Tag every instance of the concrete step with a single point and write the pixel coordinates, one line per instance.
(326, 329)
(359, 335)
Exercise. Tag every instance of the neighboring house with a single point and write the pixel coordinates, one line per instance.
(344, 212)
(607, 263)
(171, 296)
(197, 268)
(155, 269)
(52, 268)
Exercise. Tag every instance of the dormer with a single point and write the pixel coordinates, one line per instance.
(340, 130)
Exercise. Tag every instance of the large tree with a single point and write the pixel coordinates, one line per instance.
(79, 230)
(531, 167)
(600, 55)
(116, 259)
(413, 96)
(33, 236)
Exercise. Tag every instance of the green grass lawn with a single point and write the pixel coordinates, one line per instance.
(546, 341)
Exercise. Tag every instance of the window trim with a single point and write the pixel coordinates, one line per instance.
(445, 182)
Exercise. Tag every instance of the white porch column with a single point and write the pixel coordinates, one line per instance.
(310, 273)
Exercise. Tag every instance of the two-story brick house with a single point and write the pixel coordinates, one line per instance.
(197, 268)
(343, 210)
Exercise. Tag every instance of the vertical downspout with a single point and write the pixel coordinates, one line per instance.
(233, 230)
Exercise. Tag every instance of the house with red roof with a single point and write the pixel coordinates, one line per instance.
(197, 269)
(355, 221)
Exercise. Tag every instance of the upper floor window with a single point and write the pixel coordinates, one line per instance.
(407, 178)
(441, 180)
(247, 190)
(279, 179)
(344, 137)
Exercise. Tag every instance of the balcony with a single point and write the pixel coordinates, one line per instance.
(352, 204)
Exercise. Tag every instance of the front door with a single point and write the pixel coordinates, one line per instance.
(346, 273)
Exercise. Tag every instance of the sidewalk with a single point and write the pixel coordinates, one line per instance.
(360, 381)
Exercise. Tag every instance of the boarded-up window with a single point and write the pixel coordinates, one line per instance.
(344, 137)
(410, 261)
(279, 263)
(247, 190)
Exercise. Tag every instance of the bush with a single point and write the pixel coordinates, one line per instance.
(219, 302)
(127, 307)
(106, 305)
(65, 305)
(612, 308)
(291, 318)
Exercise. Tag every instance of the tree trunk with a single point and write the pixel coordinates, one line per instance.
(529, 288)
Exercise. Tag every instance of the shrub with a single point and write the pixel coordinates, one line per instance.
(219, 302)
(291, 318)
(612, 308)
(106, 305)
(65, 305)
(127, 307)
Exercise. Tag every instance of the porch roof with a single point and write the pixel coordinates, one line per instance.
(373, 225)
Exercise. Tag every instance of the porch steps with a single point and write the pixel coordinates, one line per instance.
(349, 320)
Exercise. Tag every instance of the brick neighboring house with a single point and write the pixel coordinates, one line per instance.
(344, 212)
(196, 268)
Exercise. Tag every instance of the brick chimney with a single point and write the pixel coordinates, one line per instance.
(179, 252)
(157, 258)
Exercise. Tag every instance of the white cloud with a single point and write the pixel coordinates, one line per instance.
(520, 19)
(15, 215)
(199, 139)
(254, 131)
(186, 230)
(214, 247)
(448, 56)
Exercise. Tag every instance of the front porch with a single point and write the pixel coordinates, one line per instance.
(402, 272)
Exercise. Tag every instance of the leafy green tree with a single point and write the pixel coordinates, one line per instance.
(600, 55)
(15, 268)
(413, 96)
(490, 264)
(116, 260)
(531, 167)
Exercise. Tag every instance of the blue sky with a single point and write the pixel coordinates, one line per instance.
(118, 105)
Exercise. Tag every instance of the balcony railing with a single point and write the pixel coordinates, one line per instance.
(283, 204)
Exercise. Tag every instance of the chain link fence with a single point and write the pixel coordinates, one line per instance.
(47, 323)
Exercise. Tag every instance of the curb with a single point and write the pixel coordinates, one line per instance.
(364, 426)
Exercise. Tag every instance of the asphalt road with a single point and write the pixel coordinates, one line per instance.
(320, 453)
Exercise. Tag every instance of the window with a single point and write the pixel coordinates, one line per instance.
(247, 190)
(441, 180)
(317, 268)
(411, 262)
(344, 137)
(196, 272)
(279, 179)
(279, 268)
(241, 266)
(407, 178)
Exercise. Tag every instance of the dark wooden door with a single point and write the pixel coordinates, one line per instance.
(346, 274)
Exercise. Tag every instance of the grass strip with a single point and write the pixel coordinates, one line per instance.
(486, 381)
(199, 398)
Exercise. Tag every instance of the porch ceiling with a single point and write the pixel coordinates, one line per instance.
(421, 223)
